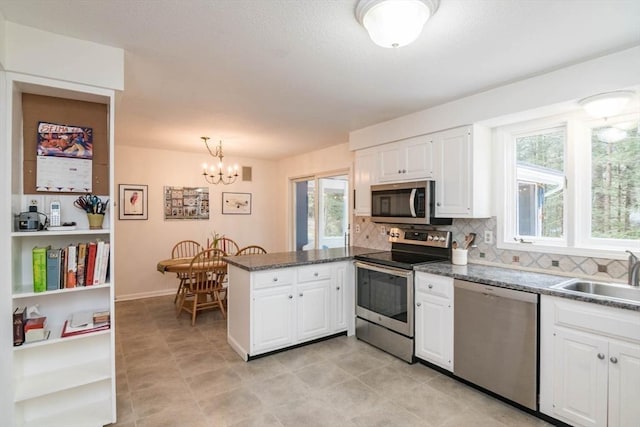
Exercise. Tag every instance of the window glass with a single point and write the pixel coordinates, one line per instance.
(615, 183)
(540, 183)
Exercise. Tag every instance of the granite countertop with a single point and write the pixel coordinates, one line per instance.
(292, 259)
(518, 280)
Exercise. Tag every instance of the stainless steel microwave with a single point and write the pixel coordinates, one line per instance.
(405, 203)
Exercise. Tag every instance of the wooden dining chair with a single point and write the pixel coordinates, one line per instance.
(203, 288)
(251, 250)
(184, 249)
(227, 245)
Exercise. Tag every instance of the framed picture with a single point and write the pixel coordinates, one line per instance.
(236, 203)
(133, 201)
(186, 202)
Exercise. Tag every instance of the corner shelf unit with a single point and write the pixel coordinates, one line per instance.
(58, 381)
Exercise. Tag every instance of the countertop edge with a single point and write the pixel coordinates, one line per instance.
(447, 269)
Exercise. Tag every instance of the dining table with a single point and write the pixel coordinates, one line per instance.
(183, 266)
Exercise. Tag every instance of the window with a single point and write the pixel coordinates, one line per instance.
(569, 184)
(321, 224)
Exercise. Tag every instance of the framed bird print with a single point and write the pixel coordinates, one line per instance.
(133, 201)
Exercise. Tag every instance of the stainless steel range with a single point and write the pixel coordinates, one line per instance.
(384, 288)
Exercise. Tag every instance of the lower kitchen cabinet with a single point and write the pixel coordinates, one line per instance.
(274, 309)
(434, 319)
(589, 363)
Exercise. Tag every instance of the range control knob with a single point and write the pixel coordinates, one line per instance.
(442, 239)
(430, 237)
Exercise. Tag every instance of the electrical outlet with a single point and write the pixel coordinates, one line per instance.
(383, 230)
(33, 202)
(357, 228)
(488, 237)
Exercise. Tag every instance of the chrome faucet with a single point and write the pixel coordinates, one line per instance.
(634, 269)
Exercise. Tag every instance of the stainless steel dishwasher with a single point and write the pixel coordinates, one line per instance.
(495, 340)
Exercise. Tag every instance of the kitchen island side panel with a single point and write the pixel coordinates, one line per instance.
(239, 311)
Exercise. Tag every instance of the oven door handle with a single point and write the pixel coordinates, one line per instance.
(385, 269)
(412, 202)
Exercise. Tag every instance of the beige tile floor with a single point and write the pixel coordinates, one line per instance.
(172, 374)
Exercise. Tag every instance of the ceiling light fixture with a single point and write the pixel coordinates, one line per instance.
(611, 134)
(217, 177)
(395, 23)
(606, 104)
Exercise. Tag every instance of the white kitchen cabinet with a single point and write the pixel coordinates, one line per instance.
(462, 171)
(277, 308)
(589, 363)
(407, 160)
(434, 319)
(364, 177)
(273, 318)
(61, 380)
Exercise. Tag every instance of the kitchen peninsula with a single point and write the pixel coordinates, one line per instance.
(279, 300)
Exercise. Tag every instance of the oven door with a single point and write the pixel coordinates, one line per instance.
(384, 295)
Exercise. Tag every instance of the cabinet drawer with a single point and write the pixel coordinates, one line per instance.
(314, 272)
(434, 285)
(270, 278)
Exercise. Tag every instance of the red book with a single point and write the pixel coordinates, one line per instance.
(91, 262)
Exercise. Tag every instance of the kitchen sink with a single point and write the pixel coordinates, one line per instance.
(610, 290)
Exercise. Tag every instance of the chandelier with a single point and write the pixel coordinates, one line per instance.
(215, 175)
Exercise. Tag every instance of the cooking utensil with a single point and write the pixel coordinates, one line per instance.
(454, 245)
(469, 239)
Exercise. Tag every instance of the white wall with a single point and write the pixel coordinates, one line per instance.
(141, 244)
(334, 158)
(28, 49)
(547, 94)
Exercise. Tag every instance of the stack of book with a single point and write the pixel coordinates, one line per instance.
(84, 322)
(35, 329)
(84, 264)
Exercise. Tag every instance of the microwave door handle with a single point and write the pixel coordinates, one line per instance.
(412, 202)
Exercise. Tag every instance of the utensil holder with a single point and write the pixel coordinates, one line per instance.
(95, 221)
(459, 256)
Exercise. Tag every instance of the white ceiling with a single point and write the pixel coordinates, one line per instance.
(274, 78)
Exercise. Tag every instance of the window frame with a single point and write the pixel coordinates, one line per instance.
(577, 212)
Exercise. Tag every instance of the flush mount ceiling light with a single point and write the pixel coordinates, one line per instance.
(606, 104)
(395, 23)
(611, 134)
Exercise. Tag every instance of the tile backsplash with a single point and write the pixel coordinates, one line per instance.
(374, 236)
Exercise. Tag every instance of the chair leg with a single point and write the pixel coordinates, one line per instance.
(220, 304)
(195, 310)
(180, 286)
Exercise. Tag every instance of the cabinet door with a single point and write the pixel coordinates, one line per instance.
(418, 155)
(272, 319)
(624, 384)
(313, 312)
(434, 330)
(364, 176)
(580, 377)
(339, 303)
(391, 162)
(453, 173)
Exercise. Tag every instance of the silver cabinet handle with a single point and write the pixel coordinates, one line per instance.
(300, 294)
(430, 286)
(290, 296)
(399, 171)
(614, 359)
(337, 288)
(419, 304)
(404, 171)
(600, 356)
(438, 204)
(275, 279)
(315, 274)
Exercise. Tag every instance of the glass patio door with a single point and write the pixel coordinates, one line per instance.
(320, 211)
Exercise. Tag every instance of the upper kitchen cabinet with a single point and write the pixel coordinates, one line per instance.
(462, 172)
(406, 160)
(364, 177)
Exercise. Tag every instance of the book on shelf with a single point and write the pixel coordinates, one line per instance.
(62, 282)
(100, 254)
(92, 248)
(18, 325)
(35, 329)
(82, 260)
(53, 269)
(104, 263)
(72, 266)
(39, 261)
(83, 322)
